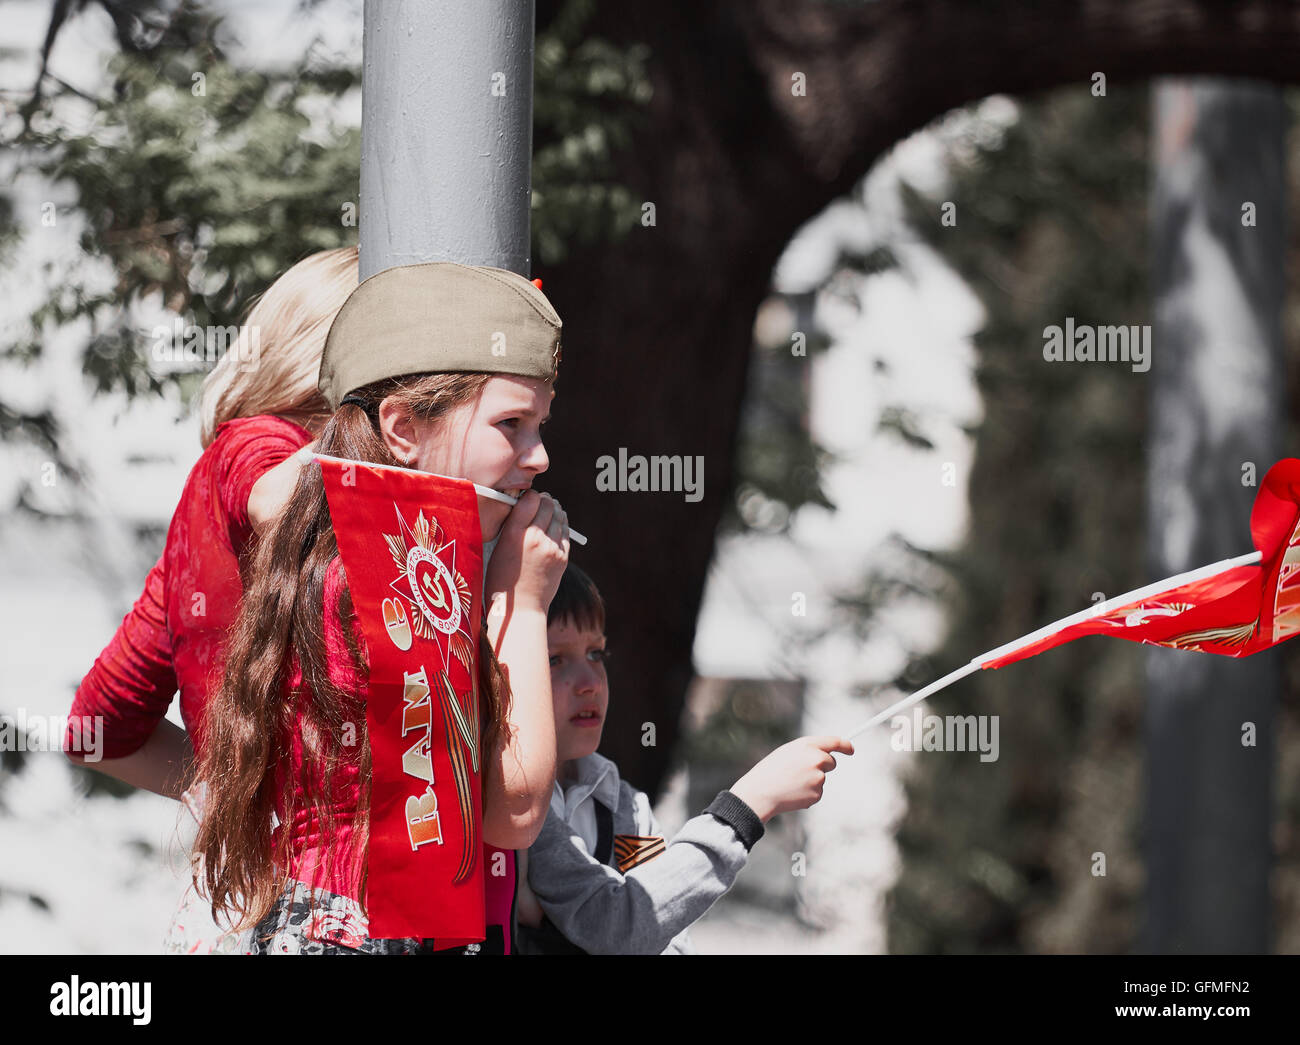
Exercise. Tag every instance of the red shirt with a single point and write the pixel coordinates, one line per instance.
(174, 635)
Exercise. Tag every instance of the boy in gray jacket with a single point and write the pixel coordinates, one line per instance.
(601, 879)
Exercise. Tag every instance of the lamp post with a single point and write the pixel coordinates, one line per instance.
(446, 133)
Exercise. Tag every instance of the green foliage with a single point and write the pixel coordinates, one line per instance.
(778, 463)
(587, 93)
(197, 181)
(997, 856)
(8, 228)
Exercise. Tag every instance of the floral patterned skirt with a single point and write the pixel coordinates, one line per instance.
(316, 921)
(302, 921)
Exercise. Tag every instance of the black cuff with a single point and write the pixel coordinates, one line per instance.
(739, 817)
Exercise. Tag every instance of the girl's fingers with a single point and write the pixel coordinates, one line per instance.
(551, 519)
(562, 517)
(545, 510)
(559, 527)
(519, 519)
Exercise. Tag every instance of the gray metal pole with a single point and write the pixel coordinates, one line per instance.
(446, 133)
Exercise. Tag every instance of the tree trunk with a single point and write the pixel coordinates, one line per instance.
(658, 327)
(1217, 381)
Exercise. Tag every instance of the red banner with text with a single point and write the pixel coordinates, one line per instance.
(412, 551)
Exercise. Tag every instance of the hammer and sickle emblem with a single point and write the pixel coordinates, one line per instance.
(434, 589)
(437, 595)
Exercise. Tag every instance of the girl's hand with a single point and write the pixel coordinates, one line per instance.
(791, 777)
(530, 555)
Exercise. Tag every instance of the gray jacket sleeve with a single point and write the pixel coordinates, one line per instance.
(605, 912)
(646, 824)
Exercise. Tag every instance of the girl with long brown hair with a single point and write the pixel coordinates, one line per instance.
(447, 369)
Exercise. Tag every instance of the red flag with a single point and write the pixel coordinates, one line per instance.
(1235, 607)
(412, 550)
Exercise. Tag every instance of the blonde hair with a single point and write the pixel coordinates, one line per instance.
(273, 366)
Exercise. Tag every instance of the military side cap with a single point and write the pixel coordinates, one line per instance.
(439, 317)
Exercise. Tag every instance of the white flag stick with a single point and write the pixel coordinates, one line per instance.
(1098, 610)
(920, 694)
(485, 491)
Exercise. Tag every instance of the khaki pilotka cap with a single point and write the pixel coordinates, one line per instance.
(439, 317)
